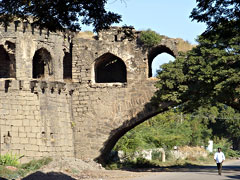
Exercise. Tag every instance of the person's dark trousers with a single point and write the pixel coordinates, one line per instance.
(219, 166)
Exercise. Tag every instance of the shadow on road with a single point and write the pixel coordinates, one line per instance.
(234, 177)
(2, 178)
(190, 168)
(48, 176)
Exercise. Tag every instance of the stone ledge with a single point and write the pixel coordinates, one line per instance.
(34, 86)
(107, 85)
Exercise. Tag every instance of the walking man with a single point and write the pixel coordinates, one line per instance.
(219, 158)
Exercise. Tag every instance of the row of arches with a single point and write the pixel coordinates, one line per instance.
(42, 64)
(108, 68)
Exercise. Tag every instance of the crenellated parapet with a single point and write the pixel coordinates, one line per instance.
(37, 86)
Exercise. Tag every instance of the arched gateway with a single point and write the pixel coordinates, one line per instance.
(98, 89)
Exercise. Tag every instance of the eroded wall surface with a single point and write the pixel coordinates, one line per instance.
(47, 114)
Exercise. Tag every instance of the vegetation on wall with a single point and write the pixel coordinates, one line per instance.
(150, 38)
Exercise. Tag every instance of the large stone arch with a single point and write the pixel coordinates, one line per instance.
(149, 111)
(153, 52)
(108, 68)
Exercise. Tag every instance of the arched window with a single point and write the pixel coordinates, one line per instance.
(42, 64)
(158, 56)
(159, 60)
(67, 66)
(109, 69)
(7, 64)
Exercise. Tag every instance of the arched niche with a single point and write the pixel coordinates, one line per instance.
(67, 65)
(154, 53)
(7, 61)
(110, 69)
(42, 64)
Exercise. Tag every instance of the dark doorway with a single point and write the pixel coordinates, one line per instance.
(67, 66)
(7, 64)
(109, 69)
(42, 64)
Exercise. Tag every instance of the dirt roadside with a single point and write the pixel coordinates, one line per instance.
(75, 169)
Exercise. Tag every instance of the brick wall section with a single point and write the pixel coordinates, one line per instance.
(35, 124)
(103, 109)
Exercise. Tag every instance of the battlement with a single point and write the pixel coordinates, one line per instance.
(36, 86)
(118, 34)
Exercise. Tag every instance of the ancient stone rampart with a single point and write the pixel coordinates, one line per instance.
(73, 96)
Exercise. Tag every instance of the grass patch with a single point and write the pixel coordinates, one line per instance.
(23, 169)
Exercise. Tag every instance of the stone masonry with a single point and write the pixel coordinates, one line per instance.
(73, 95)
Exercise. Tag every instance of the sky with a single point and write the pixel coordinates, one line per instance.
(166, 17)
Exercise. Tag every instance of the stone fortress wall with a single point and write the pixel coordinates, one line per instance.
(35, 112)
(74, 96)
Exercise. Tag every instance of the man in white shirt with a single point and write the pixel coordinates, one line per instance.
(219, 158)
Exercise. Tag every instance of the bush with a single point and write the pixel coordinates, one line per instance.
(9, 160)
(225, 145)
(150, 38)
(36, 164)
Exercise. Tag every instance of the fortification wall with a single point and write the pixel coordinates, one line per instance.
(101, 110)
(62, 96)
(35, 113)
(35, 119)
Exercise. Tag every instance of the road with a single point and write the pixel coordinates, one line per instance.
(231, 171)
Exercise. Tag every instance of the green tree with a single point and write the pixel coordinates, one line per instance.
(58, 14)
(218, 12)
(165, 130)
(227, 125)
(209, 74)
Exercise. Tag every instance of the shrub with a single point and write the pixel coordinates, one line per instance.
(36, 164)
(150, 38)
(9, 160)
(225, 145)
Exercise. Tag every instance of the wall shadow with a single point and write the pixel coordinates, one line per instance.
(48, 176)
(2, 178)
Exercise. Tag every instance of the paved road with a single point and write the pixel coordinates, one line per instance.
(231, 171)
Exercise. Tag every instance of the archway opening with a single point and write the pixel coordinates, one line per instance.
(67, 66)
(160, 60)
(42, 64)
(110, 69)
(4, 63)
(158, 56)
(7, 64)
(160, 138)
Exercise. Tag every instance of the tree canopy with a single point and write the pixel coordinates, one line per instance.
(208, 76)
(218, 12)
(210, 72)
(58, 14)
